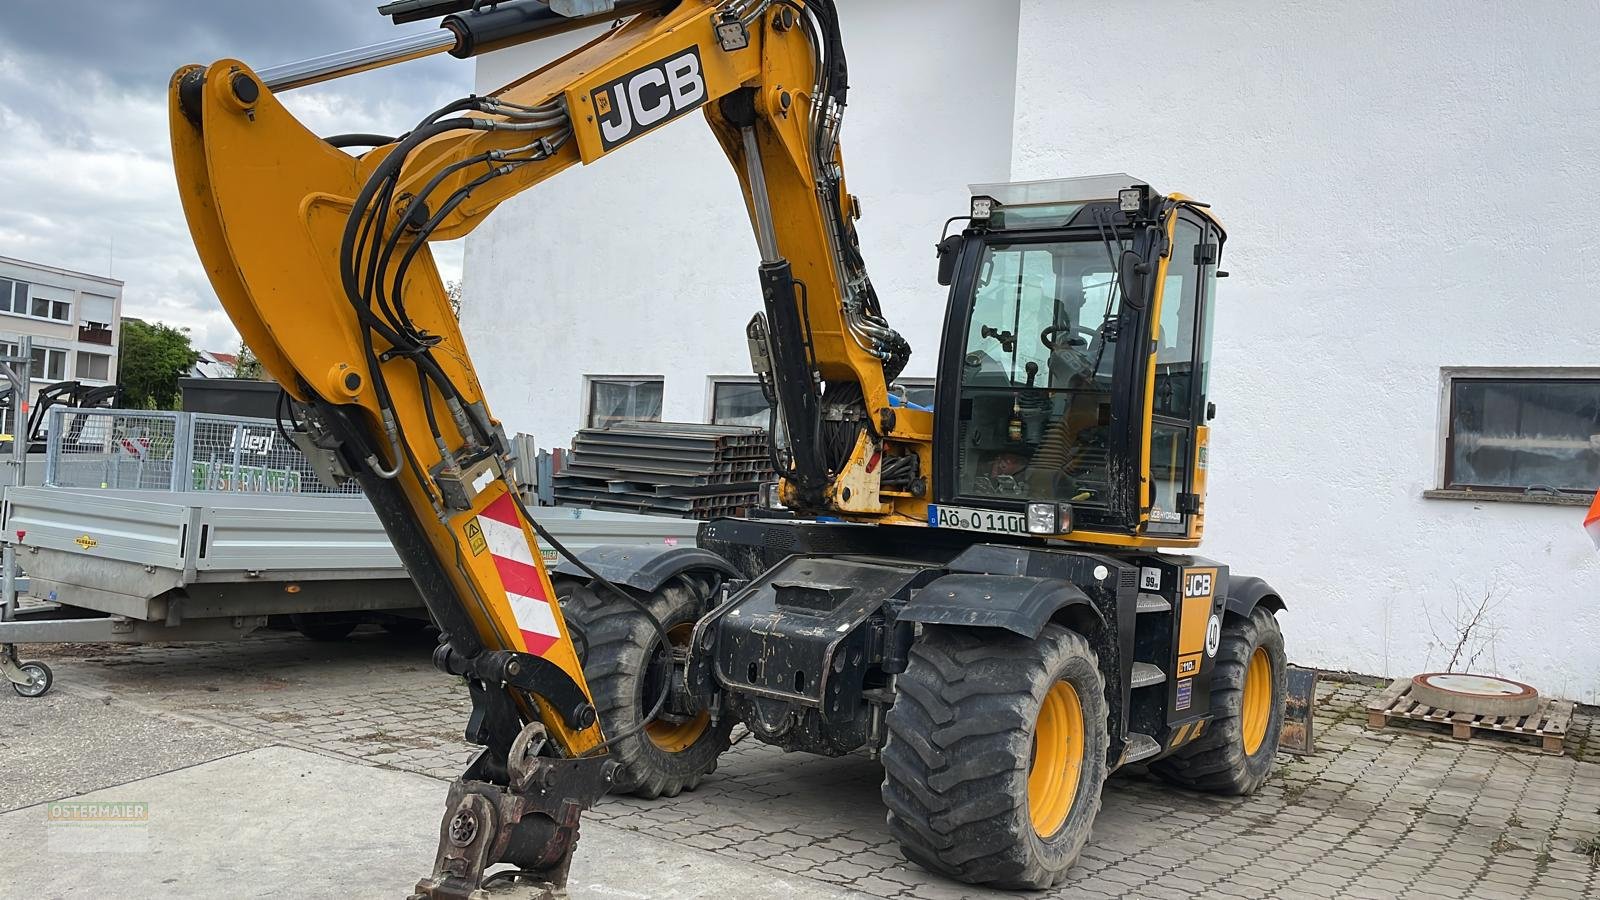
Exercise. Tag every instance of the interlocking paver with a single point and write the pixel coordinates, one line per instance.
(1374, 814)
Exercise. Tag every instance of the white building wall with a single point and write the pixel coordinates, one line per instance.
(1404, 189)
(645, 264)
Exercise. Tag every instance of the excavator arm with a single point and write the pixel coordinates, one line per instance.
(320, 258)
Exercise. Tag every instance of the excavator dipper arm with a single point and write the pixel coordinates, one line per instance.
(321, 260)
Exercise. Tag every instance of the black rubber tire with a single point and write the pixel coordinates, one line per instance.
(1216, 762)
(617, 644)
(325, 627)
(404, 627)
(960, 746)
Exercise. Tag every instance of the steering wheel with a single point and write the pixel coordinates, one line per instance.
(1048, 336)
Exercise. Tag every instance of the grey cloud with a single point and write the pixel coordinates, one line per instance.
(84, 161)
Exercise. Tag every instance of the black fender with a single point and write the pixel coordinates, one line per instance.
(1018, 603)
(645, 567)
(1245, 592)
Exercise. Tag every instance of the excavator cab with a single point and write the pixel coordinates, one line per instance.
(1072, 398)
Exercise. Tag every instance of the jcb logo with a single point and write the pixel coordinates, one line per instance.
(647, 97)
(1197, 585)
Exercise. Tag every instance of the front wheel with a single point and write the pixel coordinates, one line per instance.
(626, 665)
(996, 754)
(1234, 754)
(39, 680)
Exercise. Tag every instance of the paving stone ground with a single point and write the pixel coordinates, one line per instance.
(1374, 814)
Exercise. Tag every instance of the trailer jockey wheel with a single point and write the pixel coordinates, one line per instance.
(996, 754)
(1234, 754)
(627, 666)
(39, 676)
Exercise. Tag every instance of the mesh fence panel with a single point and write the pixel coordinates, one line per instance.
(113, 448)
(177, 451)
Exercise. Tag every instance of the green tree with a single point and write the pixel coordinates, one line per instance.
(153, 357)
(245, 364)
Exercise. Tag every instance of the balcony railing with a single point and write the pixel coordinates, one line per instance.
(94, 334)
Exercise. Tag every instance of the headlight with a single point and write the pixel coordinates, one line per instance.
(1049, 518)
(1042, 518)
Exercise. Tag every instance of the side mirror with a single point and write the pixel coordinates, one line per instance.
(949, 250)
(1132, 273)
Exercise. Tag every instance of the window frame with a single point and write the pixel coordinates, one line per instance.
(1444, 431)
(78, 359)
(713, 381)
(9, 307)
(586, 407)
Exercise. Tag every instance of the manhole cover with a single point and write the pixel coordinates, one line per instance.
(1481, 695)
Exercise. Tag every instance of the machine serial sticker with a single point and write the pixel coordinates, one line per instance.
(475, 538)
(1149, 578)
(1185, 693)
(985, 520)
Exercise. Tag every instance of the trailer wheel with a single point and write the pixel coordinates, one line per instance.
(996, 754)
(1235, 752)
(625, 665)
(40, 680)
(324, 626)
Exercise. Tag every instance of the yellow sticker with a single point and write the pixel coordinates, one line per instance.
(86, 542)
(475, 538)
(602, 103)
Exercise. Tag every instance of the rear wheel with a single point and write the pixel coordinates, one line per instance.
(996, 754)
(626, 667)
(1234, 754)
(324, 626)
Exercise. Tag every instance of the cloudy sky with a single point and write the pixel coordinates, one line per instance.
(85, 169)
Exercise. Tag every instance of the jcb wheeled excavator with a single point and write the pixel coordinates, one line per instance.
(991, 593)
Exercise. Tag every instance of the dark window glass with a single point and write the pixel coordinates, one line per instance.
(1521, 434)
(739, 403)
(1035, 394)
(622, 400)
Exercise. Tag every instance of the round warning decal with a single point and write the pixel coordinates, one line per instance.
(1213, 636)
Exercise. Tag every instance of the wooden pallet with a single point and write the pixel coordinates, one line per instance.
(1545, 730)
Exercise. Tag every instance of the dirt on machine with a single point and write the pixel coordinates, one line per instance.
(996, 593)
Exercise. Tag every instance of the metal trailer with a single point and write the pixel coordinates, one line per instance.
(135, 566)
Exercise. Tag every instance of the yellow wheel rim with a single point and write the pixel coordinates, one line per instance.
(1057, 759)
(675, 737)
(1257, 711)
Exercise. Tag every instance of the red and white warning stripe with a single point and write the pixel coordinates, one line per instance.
(513, 559)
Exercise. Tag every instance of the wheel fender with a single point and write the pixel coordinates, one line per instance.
(1018, 603)
(1245, 592)
(645, 567)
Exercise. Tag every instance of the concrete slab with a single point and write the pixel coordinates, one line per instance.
(66, 743)
(283, 822)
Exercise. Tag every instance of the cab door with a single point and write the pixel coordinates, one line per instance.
(1180, 362)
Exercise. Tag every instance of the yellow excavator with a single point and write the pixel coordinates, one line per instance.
(990, 593)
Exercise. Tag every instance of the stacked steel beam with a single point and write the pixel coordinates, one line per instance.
(666, 468)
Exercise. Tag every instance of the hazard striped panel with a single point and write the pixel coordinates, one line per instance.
(513, 559)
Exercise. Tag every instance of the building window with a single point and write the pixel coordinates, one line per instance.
(15, 299)
(739, 401)
(13, 296)
(1522, 431)
(914, 390)
(623, 399)
(94, 366)
(49, 364)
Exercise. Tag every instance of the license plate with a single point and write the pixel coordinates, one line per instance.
(986, 520)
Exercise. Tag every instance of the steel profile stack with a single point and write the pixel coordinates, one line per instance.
(666, 468)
